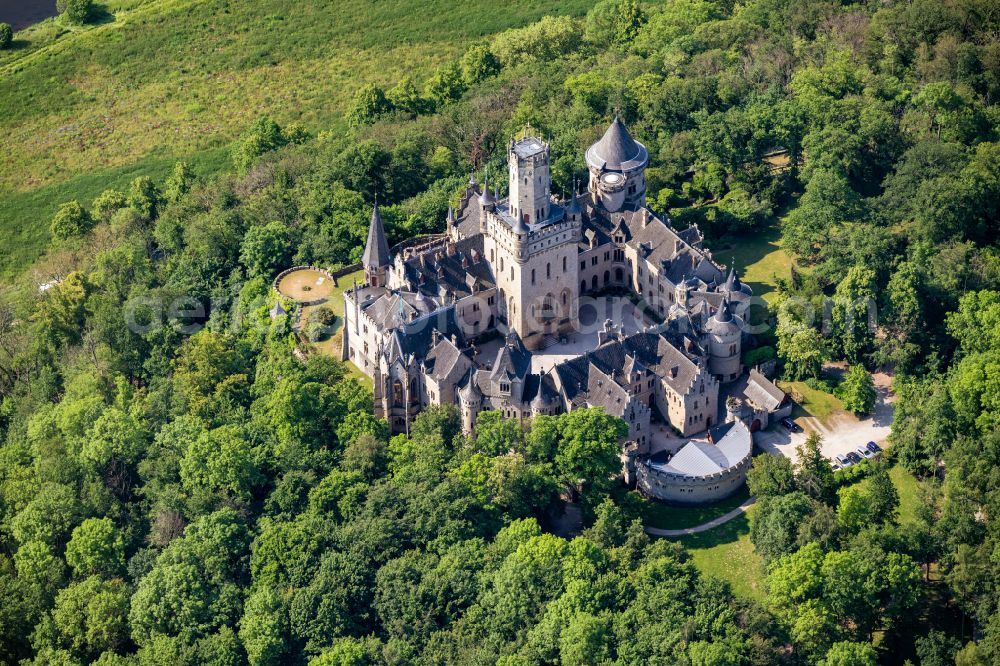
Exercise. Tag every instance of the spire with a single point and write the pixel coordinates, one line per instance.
(377, 249)
(470, 392)
(724, 314)
(617, 150)
(486, 198)
(733, 280)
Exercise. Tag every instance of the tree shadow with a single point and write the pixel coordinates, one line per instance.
(100, 15)
(729, 532)
(18, 44)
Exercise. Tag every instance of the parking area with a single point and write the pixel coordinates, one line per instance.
(841, 432)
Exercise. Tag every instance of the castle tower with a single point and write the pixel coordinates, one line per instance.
(725, 337)
(530, 180)
(617, 166)
(470, 402)
(376, 259)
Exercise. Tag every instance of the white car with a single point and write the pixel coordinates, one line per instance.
(864, 453)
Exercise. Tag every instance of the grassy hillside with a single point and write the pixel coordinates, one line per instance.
(154, 81)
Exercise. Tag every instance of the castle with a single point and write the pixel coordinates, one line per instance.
(465, 318)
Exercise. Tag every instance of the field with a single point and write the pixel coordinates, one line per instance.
(151, 82)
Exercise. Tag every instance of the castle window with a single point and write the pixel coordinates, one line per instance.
(548, 271)
(532, 276)
(593, 260)
(607, 255)
(583, 265)
(511, 272)
(564, 264)
(366, 348)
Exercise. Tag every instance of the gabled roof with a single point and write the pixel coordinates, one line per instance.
(617, 150)
(377, 248)
(762, 392)
(513, 360)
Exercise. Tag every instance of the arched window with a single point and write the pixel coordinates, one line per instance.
(548, 271)
(583, 286)
(532, 276)
(593, 283)
(564, 264)
(607, 277)
(618, 274)
(501, 264)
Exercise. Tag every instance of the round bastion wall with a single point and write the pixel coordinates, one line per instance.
(685, 489)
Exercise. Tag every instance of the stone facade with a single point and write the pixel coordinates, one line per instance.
(515, 270)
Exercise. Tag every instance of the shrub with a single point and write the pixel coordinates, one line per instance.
(757, 356)
(321, 322)
(479, 64)
(74, 11)
(369, 104)
(547, 39)
(71, 220)
(6, 35)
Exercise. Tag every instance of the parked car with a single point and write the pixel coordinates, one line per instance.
(873, 447)
(865, 453)
(791, 425)
(834, 465)
(853, 457)
(844, 462)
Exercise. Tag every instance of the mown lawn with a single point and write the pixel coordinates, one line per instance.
(906, 486)
(159, 80)
(668, 517)
(335, 302)
(814, 403)
(759, 259)
(726, 553)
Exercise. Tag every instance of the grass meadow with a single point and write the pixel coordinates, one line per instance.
(151, 82)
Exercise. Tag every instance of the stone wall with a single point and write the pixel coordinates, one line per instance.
(683, 489)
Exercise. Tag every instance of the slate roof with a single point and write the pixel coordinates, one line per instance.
(617, 150)
(415, 337)
(763, 393)
(512, 359)
(437, 272)
(377, 248)
(441, 359)
(652, 349)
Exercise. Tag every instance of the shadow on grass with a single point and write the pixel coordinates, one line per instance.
(675, 517)
(100, 14)
(18, 45)
(726, 533)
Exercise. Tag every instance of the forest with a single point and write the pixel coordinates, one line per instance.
(184, 481)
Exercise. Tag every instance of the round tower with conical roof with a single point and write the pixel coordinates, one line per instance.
(470, 400)
(724, 341)
(617, 165)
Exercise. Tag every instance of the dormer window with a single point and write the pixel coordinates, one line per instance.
(504, 387)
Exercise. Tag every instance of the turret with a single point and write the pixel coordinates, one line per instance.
(376, 259)
(470, 402)
(725, 336)
(617, 166)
